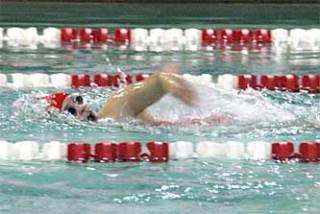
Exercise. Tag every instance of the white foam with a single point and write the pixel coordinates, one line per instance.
(203, 79)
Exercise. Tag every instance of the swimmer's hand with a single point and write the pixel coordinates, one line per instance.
(173, 82)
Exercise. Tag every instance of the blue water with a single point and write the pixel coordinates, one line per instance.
(186, 186)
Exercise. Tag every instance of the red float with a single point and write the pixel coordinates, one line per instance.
(122, 36)
(129, 151)
(80, 80)
(141, 77)
(103, 80)
(311, 82)
(309, 151)
(268, 81)
(128, 79)
(159, 152)
(85, 35)
(247, 80)
(116, 80)
(282, 151)
(100, 35)
(105, 152)
(209, 37)
(79, 152)
(68, 35)
(289, 82)
(237, 35)
(228, 36)
(119, 79)
(245, 36)
(263, 36)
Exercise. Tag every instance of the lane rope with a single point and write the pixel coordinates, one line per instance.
(160, 151)
(284, 82)
(158, 39)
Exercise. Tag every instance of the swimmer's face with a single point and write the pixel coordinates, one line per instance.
(76, 106)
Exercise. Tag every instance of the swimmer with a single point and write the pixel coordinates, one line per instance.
(131, 101)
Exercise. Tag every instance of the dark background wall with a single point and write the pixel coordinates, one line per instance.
(177, 1)
(68, 13)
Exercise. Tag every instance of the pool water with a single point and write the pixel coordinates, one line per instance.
(185, 186)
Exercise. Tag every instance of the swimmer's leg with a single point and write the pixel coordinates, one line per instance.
(134, 99)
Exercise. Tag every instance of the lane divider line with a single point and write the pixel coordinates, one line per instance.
(283, 82)
(160, 151)
(158, 39)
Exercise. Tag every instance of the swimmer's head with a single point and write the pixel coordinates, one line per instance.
(76, 106)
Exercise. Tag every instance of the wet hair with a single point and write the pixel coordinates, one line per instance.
(78, 99)
(92, 117)
(72, 110)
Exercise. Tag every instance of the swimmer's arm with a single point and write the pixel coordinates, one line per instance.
(146, 117)
(135, 98)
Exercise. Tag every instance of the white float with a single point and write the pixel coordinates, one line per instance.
(208, 149)
(297, 39)
(259, 150)
(37, 80)
(30, 38)
(5, 150)
(26, 150)
(192, 39)
(174, 39)
(181, 150)
(235, 150)
(60, 80)
(17, 80)
(156, 40)
(14, 36)
(227, 82)
(3, 80)
(139, 39)
(280, 35)
(54, 150)
(51, 37)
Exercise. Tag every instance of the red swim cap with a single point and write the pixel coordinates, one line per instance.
(56, 100)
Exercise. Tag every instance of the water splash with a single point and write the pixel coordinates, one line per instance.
(250, 113)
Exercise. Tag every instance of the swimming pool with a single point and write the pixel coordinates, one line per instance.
(184, 186)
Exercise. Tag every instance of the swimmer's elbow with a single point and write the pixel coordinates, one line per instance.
(147, 118)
